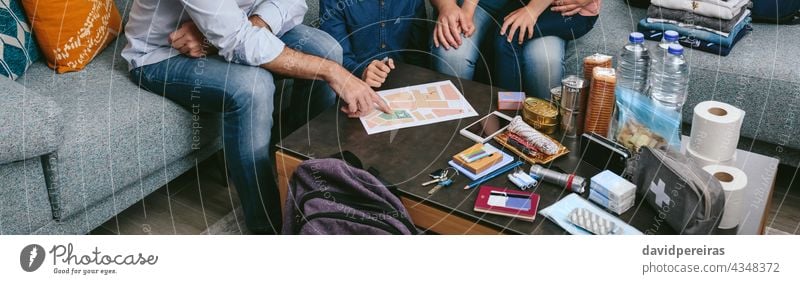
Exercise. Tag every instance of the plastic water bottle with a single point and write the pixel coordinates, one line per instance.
(660, 52)
(670, 80)
(633, 65)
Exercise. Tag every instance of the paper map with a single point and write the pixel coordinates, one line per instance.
(419, 105)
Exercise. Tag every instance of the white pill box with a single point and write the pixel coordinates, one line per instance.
(612, 186)
(615, 206)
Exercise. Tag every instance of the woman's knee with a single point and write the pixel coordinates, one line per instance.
(545, 52)
(457, 61)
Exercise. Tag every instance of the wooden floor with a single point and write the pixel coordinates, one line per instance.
(198, 202)
(188, 205)
(784, 214)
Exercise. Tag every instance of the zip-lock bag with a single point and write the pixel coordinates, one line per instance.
(688, 198)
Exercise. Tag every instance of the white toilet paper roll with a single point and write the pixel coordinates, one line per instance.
(715, 130)
(733, 181)
(703, 161)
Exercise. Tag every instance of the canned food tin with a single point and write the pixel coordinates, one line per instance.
(539, 111)
(573, 93)
(572, 123)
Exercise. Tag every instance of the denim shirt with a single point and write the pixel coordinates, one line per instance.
(374, 29)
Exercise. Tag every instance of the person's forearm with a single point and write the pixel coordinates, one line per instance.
(539, 6)
(299, 65)
(259, 22)
(469, 6)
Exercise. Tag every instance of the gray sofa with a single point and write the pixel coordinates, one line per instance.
(77, 148)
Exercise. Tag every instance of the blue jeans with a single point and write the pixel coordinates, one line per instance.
(534, 67)
(537, 65)
(460, 62)
(541, 59)
(245, 96)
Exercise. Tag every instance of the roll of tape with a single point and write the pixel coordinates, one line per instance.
(715, 130)
(733, 181)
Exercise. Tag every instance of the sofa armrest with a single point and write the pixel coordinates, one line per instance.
(30, 124)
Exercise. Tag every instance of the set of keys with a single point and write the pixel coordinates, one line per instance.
(442, 178)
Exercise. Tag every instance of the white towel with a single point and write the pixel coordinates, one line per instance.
(708, 8)
(726, 3)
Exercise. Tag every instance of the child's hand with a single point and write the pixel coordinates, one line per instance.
(377, 71)
(523, 19)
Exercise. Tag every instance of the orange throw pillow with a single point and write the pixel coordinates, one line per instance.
(71, 33)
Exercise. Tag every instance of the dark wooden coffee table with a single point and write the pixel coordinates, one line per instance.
(406, 157)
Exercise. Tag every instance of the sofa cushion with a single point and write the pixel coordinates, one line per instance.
(30, 124)
(17, 47)
(760, 76)
(115, 133)
(71, 33)
(24, 205)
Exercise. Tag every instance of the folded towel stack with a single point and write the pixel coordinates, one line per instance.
(708, 25)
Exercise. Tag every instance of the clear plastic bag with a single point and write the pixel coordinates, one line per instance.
(639, 122)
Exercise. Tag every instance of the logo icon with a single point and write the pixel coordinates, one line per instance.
(31, 257)
(660, 191)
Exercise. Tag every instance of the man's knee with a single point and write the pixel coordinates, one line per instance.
(315, 42)
(251, 90)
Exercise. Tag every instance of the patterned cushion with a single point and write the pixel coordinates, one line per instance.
(71, 33)
(17, 48)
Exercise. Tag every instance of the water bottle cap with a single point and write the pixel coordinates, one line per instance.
(671, 35)
(675, 49)
(636, 37)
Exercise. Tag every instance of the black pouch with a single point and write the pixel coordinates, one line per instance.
(689, 199)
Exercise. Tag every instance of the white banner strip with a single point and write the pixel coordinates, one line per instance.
(377, 259)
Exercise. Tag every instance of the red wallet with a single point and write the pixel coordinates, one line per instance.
(507, 202)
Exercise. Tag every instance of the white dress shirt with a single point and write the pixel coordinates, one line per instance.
(223, 22)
